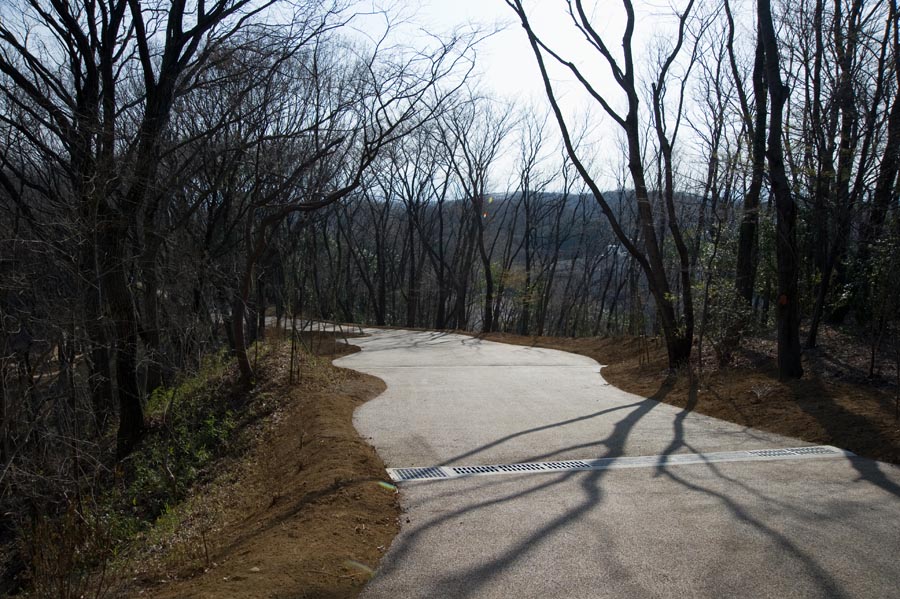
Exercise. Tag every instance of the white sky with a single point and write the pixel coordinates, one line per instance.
(508, 69)
(507, 60)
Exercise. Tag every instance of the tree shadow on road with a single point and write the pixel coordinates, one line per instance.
(833, 418)
(469, 582)
(829, 586)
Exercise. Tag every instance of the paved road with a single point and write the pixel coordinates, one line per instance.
(798, 528)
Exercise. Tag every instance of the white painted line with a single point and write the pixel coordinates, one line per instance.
(652, 461)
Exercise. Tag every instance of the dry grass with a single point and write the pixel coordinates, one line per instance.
(834, 403)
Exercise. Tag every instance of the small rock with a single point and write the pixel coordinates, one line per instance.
(255, 569)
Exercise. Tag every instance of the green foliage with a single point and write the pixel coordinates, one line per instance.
(193, 423)
(729, 320)
(767, 271)
(882, 272)
(68, 554)
(727, 317)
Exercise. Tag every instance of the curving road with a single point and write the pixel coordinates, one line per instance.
(790, 528)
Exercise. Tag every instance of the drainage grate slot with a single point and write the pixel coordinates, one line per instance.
(475, 470)
(522, 467)
(419, 473)
(570, 465)
(771, 453)
(813, 450)
(648, 461)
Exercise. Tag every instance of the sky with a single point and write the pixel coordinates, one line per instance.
(506, 58)
(508, 69)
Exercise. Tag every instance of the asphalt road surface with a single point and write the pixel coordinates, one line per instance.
(788, 528)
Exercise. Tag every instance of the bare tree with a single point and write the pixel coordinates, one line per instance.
(754, 120)
(787, 311)
(69, 66)
(473, 135)
(678, 330)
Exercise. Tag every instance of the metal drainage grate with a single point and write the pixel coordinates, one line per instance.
(680, 459)
(433, 472)
(796, 451)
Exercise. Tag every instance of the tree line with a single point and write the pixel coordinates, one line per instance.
(155, 157)
(756, 191)
(174, 176)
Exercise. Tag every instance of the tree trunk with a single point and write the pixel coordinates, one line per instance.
(487, 324)
(151, 329)
(121, 309)
(261, 306)
(678, 340)
(239, 306)
(412, 295)
(787, 308)
(525, 320)
(240, 341)
(748, 240)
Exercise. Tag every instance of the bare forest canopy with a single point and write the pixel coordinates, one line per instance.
(173, 173)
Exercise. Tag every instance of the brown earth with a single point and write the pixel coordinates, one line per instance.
(307, 513)
(304, 513)
(835, 403)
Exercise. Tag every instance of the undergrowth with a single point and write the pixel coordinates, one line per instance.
(69, 551)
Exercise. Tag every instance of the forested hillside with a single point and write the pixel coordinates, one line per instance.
(178, 177)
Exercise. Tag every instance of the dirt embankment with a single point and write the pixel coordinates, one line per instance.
(834, 403)
(306, 512)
